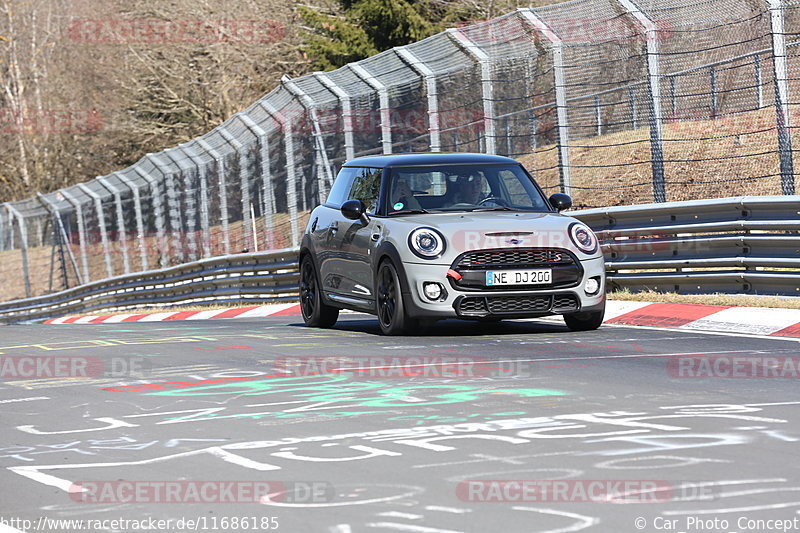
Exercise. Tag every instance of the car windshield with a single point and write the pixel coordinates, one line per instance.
(458, 188)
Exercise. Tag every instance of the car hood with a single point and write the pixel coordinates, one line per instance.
(488, 230)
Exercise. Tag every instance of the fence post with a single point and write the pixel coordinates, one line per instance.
(173, 207)
(101, 222)
(268, 194)
(347, 113)
(137, 206)
(81, 233)
(222, 182)
(244, 185)
(759, 81)
(654, 88)
(291, 175)
(189, 201)
(383, 97)
(203, 178)
(597, 116)
(482, 58)
(325, 177)
(2, 228)
(158, 205)
(674, 106)
(54, 211)
(781, 74)
(123, 239)
(23, 235)
(432, 93)
(712, 74)
(559, 84)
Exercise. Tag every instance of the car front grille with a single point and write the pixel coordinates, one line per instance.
(480, 306)
(519, 304)
(565, 302)
(512, 258)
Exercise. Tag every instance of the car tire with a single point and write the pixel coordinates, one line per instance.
(585, 321)
(315, 313)
(389, 304)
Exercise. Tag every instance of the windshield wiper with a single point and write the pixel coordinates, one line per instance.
(493, 208)
(409, 212)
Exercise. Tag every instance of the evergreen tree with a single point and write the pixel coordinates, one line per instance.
(364, 28)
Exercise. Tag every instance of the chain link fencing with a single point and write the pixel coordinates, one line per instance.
(615, 102)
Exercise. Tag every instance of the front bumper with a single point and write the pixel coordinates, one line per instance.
(493, 303)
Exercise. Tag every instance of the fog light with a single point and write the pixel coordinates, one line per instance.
(592, 285)
(433, 291)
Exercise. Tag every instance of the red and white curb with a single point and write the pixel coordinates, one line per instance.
(258, 311)
(749, 320)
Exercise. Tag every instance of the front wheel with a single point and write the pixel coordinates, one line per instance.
(391, 309)
(315, 313)
(585, 321)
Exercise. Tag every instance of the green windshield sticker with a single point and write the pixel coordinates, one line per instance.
(398, 206)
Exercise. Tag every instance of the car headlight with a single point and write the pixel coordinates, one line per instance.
(426, 243)
(583, 237)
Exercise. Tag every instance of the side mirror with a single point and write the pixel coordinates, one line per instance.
(355, 210)
(561, 201)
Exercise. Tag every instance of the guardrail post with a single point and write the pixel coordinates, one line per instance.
(202, 177)
(101, 222)
(158, 205)
(137, 206)
(325, 177)
(244, 185)
(781, 73)
(123, 239)
(23, 235)
(654, 89)
(482, 58)
(430, 90)
(268, 194)
(347, 113)
(173, 206)
(56, 214)
(291, 175)
(189, 199)
(219, 159)
(383, 97)
(81, 233)
(559, 84)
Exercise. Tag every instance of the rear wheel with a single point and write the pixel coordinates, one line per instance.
(585, 321)
(315, 313)
(391, 309)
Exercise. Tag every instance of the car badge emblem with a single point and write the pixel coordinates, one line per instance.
(514, 242)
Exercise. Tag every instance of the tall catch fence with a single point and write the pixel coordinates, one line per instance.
(615, 102)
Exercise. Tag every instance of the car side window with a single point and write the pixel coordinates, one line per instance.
(341, 186)
(366, 187)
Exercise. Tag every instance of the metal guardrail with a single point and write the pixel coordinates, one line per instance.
(747, 245)
(256, 277)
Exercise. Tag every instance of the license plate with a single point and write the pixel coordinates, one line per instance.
(540, 276)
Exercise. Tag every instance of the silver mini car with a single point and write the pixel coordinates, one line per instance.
(415, 238)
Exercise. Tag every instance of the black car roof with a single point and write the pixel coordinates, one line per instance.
(437, 158)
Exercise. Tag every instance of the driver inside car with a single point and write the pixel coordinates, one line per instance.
(465, 190)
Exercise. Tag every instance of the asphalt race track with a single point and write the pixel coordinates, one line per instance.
(263, 424)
